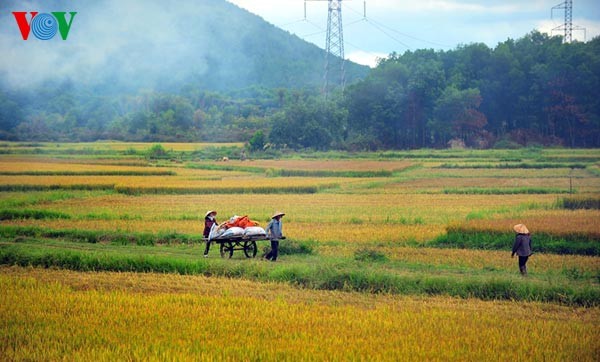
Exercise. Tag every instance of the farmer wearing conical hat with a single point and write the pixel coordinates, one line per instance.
(522, 246)
(209, 220)
(274, 233)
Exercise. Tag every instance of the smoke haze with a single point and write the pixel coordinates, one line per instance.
(134, 44)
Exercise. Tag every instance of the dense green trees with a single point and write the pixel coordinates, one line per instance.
(534, 90)
(309, 122)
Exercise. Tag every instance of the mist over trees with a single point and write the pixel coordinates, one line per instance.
(261, 85)
(121, 47)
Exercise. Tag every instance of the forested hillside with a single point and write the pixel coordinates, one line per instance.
(535, 90)
(531, 91)
(118, 47)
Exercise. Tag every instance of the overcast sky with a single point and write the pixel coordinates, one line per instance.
(400, 25)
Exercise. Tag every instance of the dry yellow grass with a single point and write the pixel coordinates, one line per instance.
(331, 232)
(321, 217)
(474, 259)
(362, 210)
(55, 165)
(439, 184)
(242, 181)
(50, 314)
(429, 172)
(121, 146)
(53, 315)
(203, 179)
(557, 222)
(328, 165)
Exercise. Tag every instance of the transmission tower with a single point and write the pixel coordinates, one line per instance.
(334, 75)
(567, 27)
(334, 50)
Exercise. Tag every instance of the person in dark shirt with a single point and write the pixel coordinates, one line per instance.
(522, 247)
(209, 220)
(274, 233)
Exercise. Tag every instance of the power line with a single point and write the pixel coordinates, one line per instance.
(291, 23)
(388, 35)
(372, 21)
(313, 34)
(321, 30)
(315, 25)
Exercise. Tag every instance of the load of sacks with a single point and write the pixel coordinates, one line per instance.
(237, 227)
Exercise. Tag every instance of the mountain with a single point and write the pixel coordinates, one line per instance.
(162, 45)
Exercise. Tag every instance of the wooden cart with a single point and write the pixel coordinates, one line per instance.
(245, 244)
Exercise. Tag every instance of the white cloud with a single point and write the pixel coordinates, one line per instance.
(454, 6)
(592, 29)
(365, 58)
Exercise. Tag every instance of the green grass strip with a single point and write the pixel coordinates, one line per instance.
(523, 165)
(88, 173)
(97, 236)
(136, 238)
(133, 190)
(577, 203)
(503, 191)
(354, 277)
(224, 167)
(25, 188)
(276, 172)
(327, 173)
(223, 190)
(464, 238)
(32, 214)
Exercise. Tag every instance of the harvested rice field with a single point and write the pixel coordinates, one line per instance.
(388, 256)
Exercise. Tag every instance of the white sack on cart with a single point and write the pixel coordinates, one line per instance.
(215, 232)
(255, 231)
(233, 232)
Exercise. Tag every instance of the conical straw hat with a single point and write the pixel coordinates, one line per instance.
(520, 229)
(278, 213)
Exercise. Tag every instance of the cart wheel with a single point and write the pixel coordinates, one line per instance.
(226, 248)
(250, 249)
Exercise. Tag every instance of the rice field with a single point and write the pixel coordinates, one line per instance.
(327, 164)
(362, 275)
(107, 146)
(85, 316)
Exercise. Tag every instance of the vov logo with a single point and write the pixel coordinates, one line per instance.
(44, 26)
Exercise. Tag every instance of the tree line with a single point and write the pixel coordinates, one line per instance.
(535, 90)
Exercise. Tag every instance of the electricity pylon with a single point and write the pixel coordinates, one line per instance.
(334, 56)
(567, 27)
(334, 75)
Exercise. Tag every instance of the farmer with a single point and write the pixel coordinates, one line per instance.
(274, 233)
(210, 219)
(522, 247)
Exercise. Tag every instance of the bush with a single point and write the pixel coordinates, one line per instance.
(290, 247)
(157, 152)
(32, 214)
(575, 203)
(367, 254)
(506, 145)
(257, 141)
